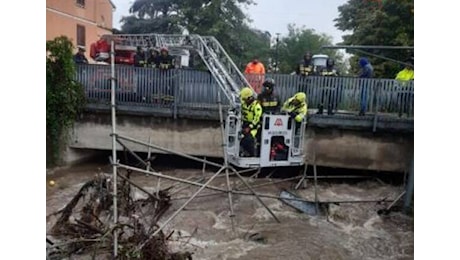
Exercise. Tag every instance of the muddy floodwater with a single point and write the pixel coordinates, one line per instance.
(347, 231)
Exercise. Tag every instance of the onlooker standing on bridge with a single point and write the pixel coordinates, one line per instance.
(405, 95)
(165, 61)
(407, 73)
(305, 67)
(139, 58)
(79, 57)
(367, 71)
(329, 92)
(255, 74)
(152, 61)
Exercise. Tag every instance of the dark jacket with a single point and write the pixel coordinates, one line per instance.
(165, 62)
(80, 59)
(139, 59)
(367, 71)
(305, 68)
(270, 102)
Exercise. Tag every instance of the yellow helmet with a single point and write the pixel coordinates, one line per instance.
(300, 97)
(245, 93)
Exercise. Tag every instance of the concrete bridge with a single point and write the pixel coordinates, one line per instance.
(177, 109)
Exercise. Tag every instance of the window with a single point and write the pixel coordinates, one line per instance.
(81, 35)
(81, 3)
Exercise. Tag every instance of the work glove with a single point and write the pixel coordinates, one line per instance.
(292, 115)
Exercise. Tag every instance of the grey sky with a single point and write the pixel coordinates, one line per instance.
(275, 15)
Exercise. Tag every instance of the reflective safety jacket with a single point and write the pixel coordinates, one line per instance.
(252, 68)
(251, 115)
(300, 110)
(405, 75)
(165, 62)
(329, 72)
(270, 102)
(305, 69)
(139, 60)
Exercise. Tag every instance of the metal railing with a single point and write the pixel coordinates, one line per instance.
(178, 91)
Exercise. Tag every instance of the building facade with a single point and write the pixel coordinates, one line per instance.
(83, 21)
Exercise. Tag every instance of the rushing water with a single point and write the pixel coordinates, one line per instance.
(347, 231)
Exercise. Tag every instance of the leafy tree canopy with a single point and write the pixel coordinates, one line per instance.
(377, 22)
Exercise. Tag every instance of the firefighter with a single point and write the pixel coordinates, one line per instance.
(268, 99)
(79, 57)
(251, 112)
(296, 106)
(328, 91)
(404, 95)
(153, 58)
(305, 67)
(139, 58)
(165, 61)
(330, 69)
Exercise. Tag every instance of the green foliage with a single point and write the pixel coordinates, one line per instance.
(391, 23)
(64, 96)
(292, 48)
(222, 19)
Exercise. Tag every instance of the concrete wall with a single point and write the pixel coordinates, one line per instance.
(330, 147)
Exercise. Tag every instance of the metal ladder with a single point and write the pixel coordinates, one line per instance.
(225, 72)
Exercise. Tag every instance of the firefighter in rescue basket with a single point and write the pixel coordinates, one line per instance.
(251, 112)
(296, 106)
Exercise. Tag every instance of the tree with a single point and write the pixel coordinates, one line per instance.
(222, 19)
(64, 96)
(389, 22)
(292, 48)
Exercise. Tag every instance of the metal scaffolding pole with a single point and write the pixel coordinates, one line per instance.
(159, 148)
(409, 189)
(114, 150)
(180, 209)
(227, 176)
(377, 47)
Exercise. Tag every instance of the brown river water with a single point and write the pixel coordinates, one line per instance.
(347, 231)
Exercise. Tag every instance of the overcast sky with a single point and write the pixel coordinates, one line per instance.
(275, 15)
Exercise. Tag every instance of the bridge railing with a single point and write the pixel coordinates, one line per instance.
(179, 91)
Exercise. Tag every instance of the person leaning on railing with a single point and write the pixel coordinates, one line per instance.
(139, 58)
(79, 57)
(404, 77)
(153, 58)
(296, 107)
(305, 66)
(165, 63)
(327, 91)
(305, 70)
(367, 71)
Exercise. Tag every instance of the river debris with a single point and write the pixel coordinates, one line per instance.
(309, 207)
(85, 225)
